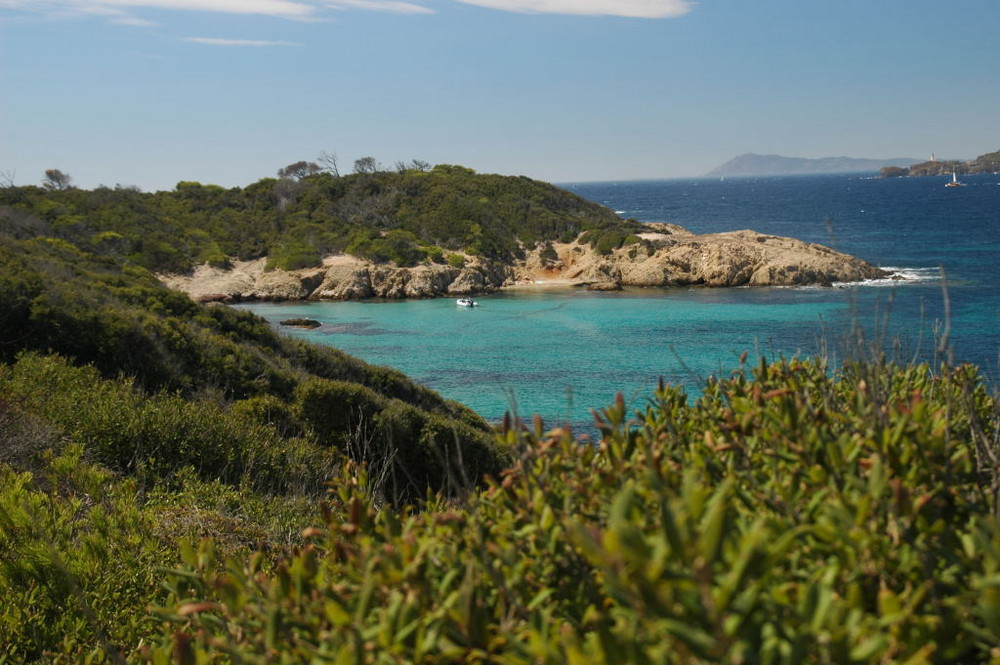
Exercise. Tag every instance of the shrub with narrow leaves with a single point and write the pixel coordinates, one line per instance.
(788, 516)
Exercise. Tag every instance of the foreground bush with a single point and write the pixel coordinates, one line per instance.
(83, 552)
(788, 517)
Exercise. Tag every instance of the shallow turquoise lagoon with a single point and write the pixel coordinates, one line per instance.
(562, 352)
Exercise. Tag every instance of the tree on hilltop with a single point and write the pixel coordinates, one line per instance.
(56, 180)
(299, 170)
(413, 165)
(366, 165)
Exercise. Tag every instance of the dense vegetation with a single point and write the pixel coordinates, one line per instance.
(180, 484)
(197, 377)
(407, 217)
(786, 516)
(988, 163)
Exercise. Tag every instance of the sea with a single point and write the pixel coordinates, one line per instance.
(563, 353)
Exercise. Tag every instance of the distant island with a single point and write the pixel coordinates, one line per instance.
(987, 163)
(751, 164)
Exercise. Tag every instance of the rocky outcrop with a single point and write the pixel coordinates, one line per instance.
(668, 255)
(360, 281)
(301, 323)
(671, 256)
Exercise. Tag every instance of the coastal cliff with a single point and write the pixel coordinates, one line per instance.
(665, 255)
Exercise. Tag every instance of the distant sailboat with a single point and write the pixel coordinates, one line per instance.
(954, 181)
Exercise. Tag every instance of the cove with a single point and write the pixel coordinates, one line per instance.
(562, 352)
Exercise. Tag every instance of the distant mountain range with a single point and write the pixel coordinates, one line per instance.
(752, 164)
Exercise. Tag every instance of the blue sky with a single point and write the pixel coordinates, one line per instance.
(152, 92)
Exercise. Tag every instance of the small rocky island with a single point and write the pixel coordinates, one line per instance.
(665, 255)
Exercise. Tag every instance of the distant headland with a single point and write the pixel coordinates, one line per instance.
(751, 164)
(987, 163)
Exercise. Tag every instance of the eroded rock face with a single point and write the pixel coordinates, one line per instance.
(666, 256)
(281, 285)
(344, 283)
(736, 258)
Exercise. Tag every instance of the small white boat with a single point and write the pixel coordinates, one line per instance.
(954, 181)
(466, 302)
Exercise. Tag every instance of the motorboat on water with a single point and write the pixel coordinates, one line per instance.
(466, 302)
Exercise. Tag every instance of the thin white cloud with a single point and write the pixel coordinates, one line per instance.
(629, 8)
(134, 21)
(114, 15)
(215, 41)
(281, 8)
(123, 11)
(393, 6)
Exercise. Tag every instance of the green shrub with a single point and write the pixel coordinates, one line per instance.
(397, 246)
(435, 254)
(268, 410)
(293, 255)
(416, 449)
(77, 567)
(214, 257)
(400, 423)
(336, 410)
(548, 253)
(608, 240)
(790, 516)
(154, 436)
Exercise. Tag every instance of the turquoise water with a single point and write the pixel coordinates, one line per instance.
(560, 353)
(563, 352)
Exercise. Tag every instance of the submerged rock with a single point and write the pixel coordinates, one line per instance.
(301, 323)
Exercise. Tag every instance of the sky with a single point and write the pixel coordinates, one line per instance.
(149, 93)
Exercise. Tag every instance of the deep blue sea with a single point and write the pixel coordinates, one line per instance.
(563, 352)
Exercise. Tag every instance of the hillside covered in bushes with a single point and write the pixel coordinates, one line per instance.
(117, 329)
(406, 216)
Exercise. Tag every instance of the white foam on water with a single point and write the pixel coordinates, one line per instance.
(899, 277)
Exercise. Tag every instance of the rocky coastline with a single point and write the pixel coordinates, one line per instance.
(666, 255)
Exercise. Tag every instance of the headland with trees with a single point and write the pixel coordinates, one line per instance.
(985, 163)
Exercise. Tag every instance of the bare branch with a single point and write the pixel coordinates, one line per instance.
(328, 161)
